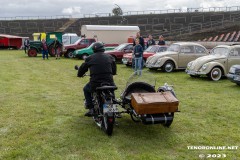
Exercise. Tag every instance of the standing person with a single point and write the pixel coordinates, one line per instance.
(161, 40)
(141, 40)
(138, 57)
(56, 44)
(26, 45)
(150, 41)
(44, 49)
(102, 67)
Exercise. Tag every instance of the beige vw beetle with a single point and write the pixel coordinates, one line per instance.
(177, 56)
(217, 64)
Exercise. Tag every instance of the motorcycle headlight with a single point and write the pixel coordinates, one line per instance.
(204, 67)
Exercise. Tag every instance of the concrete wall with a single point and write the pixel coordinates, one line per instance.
(156, 24)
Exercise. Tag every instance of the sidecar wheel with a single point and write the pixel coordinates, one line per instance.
(170, 117)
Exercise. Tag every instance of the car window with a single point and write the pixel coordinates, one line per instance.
(199, 49)
(187, 49)
(129, 47)
(84, 41)
(220, 51)
(162, 49)
(235, 52)
(174, 48)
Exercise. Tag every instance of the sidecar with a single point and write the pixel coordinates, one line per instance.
(147, 105)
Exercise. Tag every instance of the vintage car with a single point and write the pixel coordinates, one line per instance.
(151, 50)
(85, 52)
(177, 56)
(119, 51)
(234, 74)
(217, 64)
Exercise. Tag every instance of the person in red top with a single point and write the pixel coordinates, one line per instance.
(44, 49)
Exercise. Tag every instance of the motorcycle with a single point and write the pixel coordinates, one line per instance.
(106, 105)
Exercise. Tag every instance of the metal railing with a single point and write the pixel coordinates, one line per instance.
(129, 13)
(35, 17)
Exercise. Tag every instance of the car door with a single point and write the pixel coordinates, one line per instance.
(233, 58)
(186, 55)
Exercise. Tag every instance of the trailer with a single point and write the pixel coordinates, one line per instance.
(109, 34)
(11, 41)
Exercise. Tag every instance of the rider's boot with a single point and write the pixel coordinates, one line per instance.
(90, 113)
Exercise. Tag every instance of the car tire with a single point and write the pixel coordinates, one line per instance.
(32, 52)
(84, 56)
(215, 74)
(70, 54)
(168, 66)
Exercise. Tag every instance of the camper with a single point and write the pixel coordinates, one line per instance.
(109, 34)
(70, 38)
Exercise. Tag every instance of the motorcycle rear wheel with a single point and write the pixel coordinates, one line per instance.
(107, 124)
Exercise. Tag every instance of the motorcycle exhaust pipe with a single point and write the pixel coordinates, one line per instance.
(156, 119)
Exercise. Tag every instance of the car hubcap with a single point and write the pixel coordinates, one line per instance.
(168, 67)
(216, 74)
(70, 55)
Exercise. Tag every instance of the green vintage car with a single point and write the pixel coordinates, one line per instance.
(85, 52)
(217, 64)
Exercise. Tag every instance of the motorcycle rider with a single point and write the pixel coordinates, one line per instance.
(102, 68)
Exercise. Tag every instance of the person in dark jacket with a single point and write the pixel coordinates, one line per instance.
(161, 40)
(102, 68)
(138, 57)
(44, 48)
(150, 41)
(141, 40)
(56, 44)
(26, 45)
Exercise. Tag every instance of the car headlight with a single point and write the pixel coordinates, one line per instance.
(204, 67)
(158, 61)
(232, 70)
(189, 64)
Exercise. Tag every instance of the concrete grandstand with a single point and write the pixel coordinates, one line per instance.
(190, 25)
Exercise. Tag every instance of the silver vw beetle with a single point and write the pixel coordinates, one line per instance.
(217, 64)
(177, 56)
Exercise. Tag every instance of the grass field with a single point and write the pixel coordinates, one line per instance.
(41, 116)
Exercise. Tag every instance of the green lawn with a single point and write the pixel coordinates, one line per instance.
(41, 116)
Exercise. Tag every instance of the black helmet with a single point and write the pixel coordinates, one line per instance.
(98, 47)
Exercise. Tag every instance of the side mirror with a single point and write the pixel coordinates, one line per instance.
(76, 67)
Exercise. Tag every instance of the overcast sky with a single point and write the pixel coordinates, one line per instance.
(76, 8)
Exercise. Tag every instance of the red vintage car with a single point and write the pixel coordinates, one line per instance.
(151, 50)
(121, 50)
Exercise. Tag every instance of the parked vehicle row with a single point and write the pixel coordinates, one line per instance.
(223, 60)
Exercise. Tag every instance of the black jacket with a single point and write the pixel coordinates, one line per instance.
(141, 42)
(102, 68)
(150, 42)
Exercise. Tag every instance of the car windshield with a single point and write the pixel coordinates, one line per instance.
(174, 48)
(153, 49)
(220, 51)
(120, 47)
